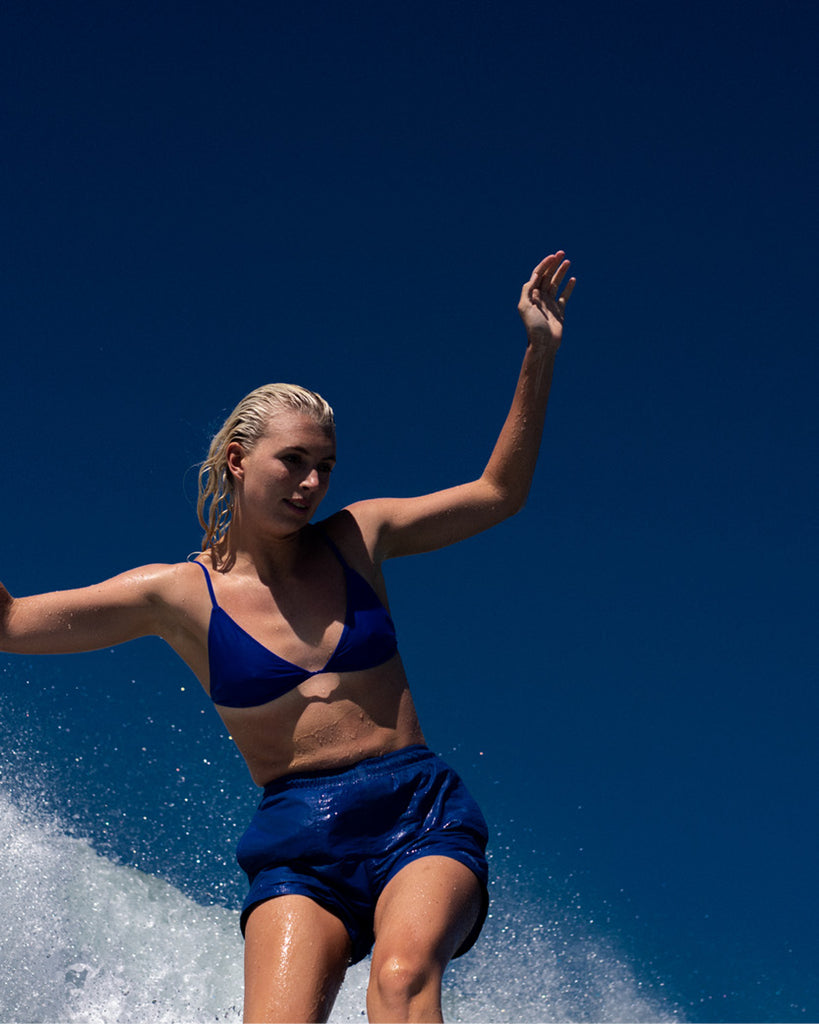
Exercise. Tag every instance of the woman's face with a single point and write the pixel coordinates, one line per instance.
(285, 476)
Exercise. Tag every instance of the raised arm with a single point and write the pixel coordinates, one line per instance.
(512, 465)
(402, 526)
(67, 621)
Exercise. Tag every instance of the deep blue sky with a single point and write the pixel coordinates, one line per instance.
(201, 197)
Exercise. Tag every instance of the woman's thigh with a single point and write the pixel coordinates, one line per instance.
(427, 911)
(296, 954)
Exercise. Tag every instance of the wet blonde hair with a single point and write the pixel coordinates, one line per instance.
(247, 424)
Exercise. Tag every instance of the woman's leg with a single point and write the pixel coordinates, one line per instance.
(422, 918)
(296, 953)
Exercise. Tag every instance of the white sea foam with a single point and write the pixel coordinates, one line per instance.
(89, 940)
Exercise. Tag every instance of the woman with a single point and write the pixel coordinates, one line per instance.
(363, 835)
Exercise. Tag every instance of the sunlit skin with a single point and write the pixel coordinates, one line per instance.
(330, 720)
(286, 588)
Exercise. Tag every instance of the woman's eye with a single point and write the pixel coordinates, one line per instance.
(325, 467)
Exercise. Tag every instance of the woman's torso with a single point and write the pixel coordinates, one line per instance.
(293, 661)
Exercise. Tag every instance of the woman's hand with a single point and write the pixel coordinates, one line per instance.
(540, 307)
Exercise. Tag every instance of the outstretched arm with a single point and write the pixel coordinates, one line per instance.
(402, 526)
(67, 621)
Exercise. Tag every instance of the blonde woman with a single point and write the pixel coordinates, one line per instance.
(364, 839)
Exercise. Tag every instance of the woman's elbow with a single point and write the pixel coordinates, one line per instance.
(514, 504)
(507, 501)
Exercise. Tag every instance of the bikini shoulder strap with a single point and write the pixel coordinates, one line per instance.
(210, 585)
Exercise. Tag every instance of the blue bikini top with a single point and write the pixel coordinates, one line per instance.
(244, 673)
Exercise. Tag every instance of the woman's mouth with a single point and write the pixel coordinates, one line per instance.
(297, 504)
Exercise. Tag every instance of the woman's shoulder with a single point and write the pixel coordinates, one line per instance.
(350, 531)
(164, 582)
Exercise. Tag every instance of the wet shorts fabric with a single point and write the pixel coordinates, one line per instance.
(338, 837)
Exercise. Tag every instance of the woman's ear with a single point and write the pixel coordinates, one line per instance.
(235, 456)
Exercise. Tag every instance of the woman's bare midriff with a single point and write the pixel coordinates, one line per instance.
(329, 721)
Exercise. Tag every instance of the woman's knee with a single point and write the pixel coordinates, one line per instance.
(399, 978)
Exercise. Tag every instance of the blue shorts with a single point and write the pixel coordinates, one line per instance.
(340, 836)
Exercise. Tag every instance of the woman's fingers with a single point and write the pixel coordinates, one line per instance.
(544, 268)
(567, 291)
(546, 280)
(558, 276)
